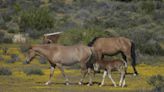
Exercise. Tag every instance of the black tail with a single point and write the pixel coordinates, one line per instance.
(133, 54)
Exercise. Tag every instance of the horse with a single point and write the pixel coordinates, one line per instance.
(59, 55)
(108, 66)
(114, 45)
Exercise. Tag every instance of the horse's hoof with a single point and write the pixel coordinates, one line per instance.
(80, 83)
(67, 84)
(101, 85)
(122, 86)
(134, 74)
(88, 84)
(47, 83)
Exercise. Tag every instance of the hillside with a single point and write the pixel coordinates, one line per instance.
(141, 21)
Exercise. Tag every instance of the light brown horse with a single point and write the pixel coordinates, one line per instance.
(59, 55)
(114, 45)
(108, 67)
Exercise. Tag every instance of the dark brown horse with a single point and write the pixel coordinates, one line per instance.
(59, 55)
(114, 45)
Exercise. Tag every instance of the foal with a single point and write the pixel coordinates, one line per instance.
(108, 66)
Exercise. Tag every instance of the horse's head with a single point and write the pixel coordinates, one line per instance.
(30, 55)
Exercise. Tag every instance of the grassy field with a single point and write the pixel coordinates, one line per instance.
(20, 82)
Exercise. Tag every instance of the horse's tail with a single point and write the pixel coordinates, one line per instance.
(133, 54)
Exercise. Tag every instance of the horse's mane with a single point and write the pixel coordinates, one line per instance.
(93, 40)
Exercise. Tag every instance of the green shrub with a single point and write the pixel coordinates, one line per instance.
(76, 36)
(158, 82)
(36, 18)
(147, 6)
(33, 71)
(36, 21)
(42, 60)
(5, 38)
(5, 71)
(145, 40)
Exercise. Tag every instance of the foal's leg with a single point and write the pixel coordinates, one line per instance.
(110, 77)
(104, 75)
(122, 76)
(63, 73)
(122, 80)
(51, 75)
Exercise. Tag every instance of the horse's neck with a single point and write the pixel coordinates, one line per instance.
(42, 51)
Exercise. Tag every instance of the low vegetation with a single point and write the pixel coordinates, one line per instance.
(158, 82)
(33, 71)
(5, 71)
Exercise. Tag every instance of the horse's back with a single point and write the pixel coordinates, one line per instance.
(112, 43)
(75, 52)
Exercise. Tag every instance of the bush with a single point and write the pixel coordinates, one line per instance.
(24, 48)
(42, 60)
(33, 71)
(76, 36)
(158, 82)
(14, 58)
(145, 40)
(13, 27)
(5, 38)
(36, 18)
(5, 71)
(1, 58)
(147, 6)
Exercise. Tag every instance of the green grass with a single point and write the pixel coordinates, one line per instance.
(20, 82)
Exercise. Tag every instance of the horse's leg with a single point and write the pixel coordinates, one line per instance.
(104, 75)
(63, 73)
(90, 77)
(83, 73)
(102, 56)
(133, 65)
(110, 77)
(51, 75)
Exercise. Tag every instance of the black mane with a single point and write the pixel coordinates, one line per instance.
(92, 41)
